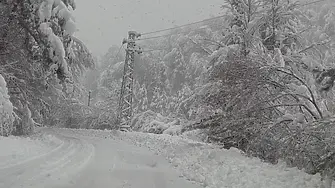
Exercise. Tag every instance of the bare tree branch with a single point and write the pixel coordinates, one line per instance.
(297, 105)
(308, 88)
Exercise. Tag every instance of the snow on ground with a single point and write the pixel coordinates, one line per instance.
(46, 159)
(14, 150)
(214, 167)
(202, 163)
(219, 168)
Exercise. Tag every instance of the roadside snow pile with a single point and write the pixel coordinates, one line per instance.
(217, 168)
(151, 122)
(196, 135)
(14, 150)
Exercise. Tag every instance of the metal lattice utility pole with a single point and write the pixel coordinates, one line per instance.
(125, 112)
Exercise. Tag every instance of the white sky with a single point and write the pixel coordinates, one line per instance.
(102, 23)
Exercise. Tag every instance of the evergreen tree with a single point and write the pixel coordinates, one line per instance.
(39, 35)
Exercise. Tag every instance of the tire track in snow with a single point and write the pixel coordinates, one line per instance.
(69, 165)
(11, 176)
(67, 159)
(36, 157)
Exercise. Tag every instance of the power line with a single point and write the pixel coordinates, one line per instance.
(159, 36)
(158, 31)
(150, 50)
(155, 50)
(193, 23)
(313, 2)
(123, 48)
(117, 54)
(119, 51)
(155, 37)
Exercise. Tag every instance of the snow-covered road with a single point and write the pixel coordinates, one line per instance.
(65, 158)
(80, 161)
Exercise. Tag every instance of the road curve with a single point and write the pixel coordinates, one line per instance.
(91, 162)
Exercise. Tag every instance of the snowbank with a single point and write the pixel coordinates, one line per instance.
(218, 168)
(211, 166)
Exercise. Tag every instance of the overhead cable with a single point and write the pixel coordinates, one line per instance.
(313, 2)
(177, 27)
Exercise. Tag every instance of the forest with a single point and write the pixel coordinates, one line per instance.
(259, 78)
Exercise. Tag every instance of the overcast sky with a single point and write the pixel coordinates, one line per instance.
(102, 23)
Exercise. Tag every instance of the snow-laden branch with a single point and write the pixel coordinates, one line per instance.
(288, 72)
(6, 109)
(48, 10)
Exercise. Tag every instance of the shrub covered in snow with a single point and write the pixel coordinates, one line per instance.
(6, 110)
(309, 147)
(152, 122)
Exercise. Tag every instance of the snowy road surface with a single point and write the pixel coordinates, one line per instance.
(79, 161)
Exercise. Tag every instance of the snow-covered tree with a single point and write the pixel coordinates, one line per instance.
(274, 81)
(39, 35)
(6, 110)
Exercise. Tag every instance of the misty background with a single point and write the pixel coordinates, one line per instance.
(105, 23)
